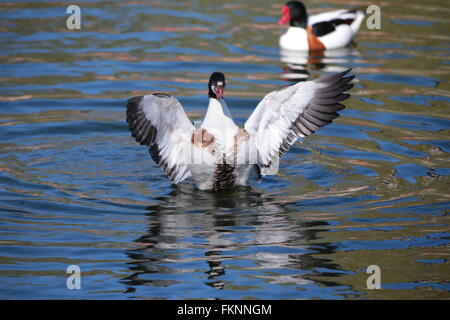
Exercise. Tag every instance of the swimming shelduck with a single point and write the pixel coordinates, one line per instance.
(219, 154)
(323, 31)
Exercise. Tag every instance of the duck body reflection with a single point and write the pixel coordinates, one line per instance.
(299, 64)
(228, 240)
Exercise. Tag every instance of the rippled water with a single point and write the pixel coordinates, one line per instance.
(370, 189)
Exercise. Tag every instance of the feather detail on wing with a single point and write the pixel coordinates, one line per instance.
(293, 112)
(160, 122)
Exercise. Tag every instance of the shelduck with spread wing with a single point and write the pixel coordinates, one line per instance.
(219, 154)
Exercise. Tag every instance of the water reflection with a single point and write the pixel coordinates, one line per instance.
(370, 189)
(298, 64)
(197, 236)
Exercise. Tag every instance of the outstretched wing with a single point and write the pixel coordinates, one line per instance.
(160, 122)
(292, 112)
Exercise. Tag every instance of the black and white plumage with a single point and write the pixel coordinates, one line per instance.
(219, 154)
(318, 32)
(159, 122)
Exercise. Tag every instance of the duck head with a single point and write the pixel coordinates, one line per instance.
(216, 85)
(294, 12)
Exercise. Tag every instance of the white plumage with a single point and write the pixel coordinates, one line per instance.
(219, 154)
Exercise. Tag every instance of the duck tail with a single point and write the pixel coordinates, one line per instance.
(359, 14)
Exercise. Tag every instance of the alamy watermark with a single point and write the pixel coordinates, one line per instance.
(374, 281)
(74, 280)
(374, 19)
(73, 22)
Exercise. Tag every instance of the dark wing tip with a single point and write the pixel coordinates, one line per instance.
(141, 128)
(133, 103)
(324, 106)
(162, 95)
(349, 78)
(333, 78)
(346, 71)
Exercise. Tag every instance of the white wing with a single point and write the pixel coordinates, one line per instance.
(160, 122)
(292, 112)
